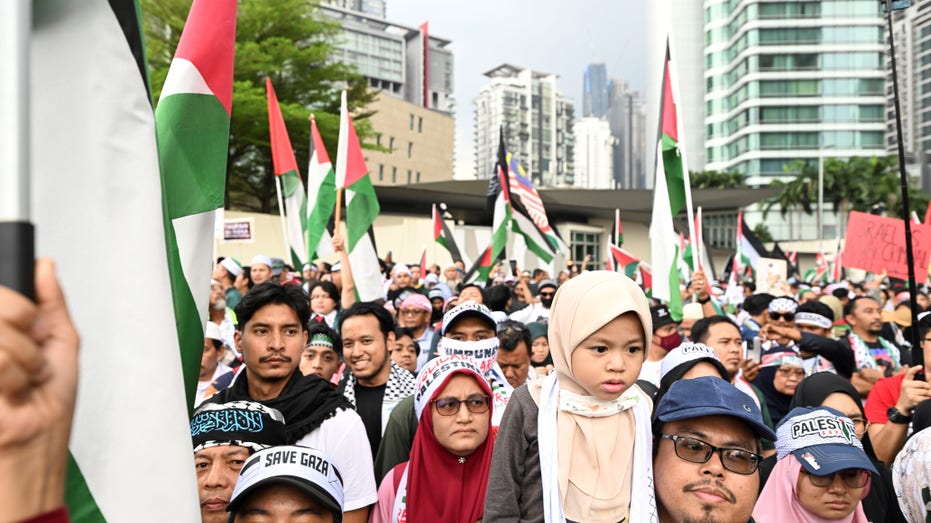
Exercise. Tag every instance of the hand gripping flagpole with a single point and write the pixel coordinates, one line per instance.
(17, 234)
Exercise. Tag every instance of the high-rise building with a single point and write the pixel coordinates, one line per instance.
(536, 120)
(627, 120)
(595, 93)
(594, 150)
(401, 61)
(789, 81)
(374, 8)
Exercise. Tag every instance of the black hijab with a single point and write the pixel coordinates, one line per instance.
(778, 403)
(306, 402)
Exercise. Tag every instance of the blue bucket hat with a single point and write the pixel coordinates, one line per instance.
(710, 396)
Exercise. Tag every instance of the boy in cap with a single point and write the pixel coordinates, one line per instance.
(210, 366)
(707, 447)
(281, 483)
(224, 435)
(260, 269)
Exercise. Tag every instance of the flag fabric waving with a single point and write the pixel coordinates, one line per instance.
(624, 261)
(481, 268)
(443, 236)
(525, 195)
(670, 196)
(749, 246)
(292, 187)
(98, 202)
(361, 210)
(618, 236)
(321, 196)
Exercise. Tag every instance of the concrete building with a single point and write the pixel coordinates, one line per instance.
(595, 91)
(536, 120)
(421, 142)
(402, 61)
(628, 122)
(594, 150)
(374, 8)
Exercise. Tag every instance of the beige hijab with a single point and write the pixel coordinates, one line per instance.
(595, 454)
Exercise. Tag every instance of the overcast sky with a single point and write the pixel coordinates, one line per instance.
(553, 36)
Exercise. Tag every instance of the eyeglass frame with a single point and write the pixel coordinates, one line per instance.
(411, 312)
(788, 316)
(863, 473)
(675, 438)
(459, 403)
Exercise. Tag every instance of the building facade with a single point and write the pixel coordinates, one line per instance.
(595, 91)
(536, 120)
(594, 154)
(627, 119)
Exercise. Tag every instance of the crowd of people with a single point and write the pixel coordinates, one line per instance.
(539, 399)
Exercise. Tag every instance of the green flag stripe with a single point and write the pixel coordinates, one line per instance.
(361, 209)
(193, 139)
(323, 209)
(675, 178)
(82, 507)
(290, 182)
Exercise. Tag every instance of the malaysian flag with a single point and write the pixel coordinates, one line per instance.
(522, 187)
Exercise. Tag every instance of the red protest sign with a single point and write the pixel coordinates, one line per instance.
(875, 243)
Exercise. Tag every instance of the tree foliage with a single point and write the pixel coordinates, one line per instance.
(290, 42)
(716, 180)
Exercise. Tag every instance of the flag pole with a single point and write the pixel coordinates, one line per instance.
(674, 82)
(17, 233)
(284, 227)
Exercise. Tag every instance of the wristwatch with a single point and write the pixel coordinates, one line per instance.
(706, 300)
(897, 417)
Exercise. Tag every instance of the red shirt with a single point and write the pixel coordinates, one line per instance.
(56, 516)
(885, 394)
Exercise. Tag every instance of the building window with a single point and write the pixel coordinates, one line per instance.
(418, 176)
(586, 243)
(420, 124)
(378, 139)
(391, 144)
(394, 175)
(381, 172)
(412, 122)
(409, 175)
(410, 150)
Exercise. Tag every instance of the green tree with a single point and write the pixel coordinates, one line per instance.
(762, 232)
(716, 180)
(290, 42)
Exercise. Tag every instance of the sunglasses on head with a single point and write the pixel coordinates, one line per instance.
(788, 316)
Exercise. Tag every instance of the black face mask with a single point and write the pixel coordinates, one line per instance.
(547, 302)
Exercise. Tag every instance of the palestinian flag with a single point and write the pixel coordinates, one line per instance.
(291, 186)
(646, 281)
(139, 190)
(624, 261)
(749, 246)
(443, 236)
(423, 263)
(321, 197)
(618, 237)
(361, 210)
(481, 268)
(670, 195)
(818, 274)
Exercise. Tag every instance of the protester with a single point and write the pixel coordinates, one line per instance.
(911, 477)
(552, 462)
(687, 361)
(471, 292)
(514, 352)
(376, 384)
(406, 349)
(706, 452)
(540, 348)
(271, 337)
(414, 314)
(875, 356)
(260, 270)
(691, 312)
(225, 273)
(822, 473)
(830, 390)
(224, 435)
(452, 449)
(819, 353)
(210, 366)
(757, 308)
(538, 311)
(323, 354)
(282, 483)
(665, 338)
(324, 302)
(244, 281)
(891, 401)
(781, 371)
(224, 318)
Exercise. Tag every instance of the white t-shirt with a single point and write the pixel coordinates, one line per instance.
(202, 385)
(650, 371)
(340, 438)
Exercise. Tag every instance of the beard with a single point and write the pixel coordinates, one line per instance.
(219, 305)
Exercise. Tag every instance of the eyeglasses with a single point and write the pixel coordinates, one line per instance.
(512, 325)
(476, 403)
(788, 316)
(860, 425)
(853, 478)
(791, 372)
(412, 312)
(735, 460)
(547, 294)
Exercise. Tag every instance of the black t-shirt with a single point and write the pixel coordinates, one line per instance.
(368, 406)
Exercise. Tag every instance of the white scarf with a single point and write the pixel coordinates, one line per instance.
(552, 400)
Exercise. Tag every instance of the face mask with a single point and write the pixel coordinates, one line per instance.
(484, 352)
(547, 302)
(670, 342)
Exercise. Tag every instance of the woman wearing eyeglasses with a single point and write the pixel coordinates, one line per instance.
(822, 473)
(446, 476)
(781, 371)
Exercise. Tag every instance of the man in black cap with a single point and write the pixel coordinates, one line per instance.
(540, 310)
(224, 436)
(665, 338)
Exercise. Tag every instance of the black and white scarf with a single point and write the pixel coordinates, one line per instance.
(401, 384)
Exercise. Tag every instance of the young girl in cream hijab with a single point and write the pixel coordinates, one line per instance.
(576, 445)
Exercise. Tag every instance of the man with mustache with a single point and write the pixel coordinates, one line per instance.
(707, 452)
(271, 337)
(876, 357)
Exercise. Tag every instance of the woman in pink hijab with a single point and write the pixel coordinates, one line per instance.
(822, 473)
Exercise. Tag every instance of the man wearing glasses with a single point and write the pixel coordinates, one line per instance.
(805, 328)
(414, 314)
(539, 311)
(707, 448)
